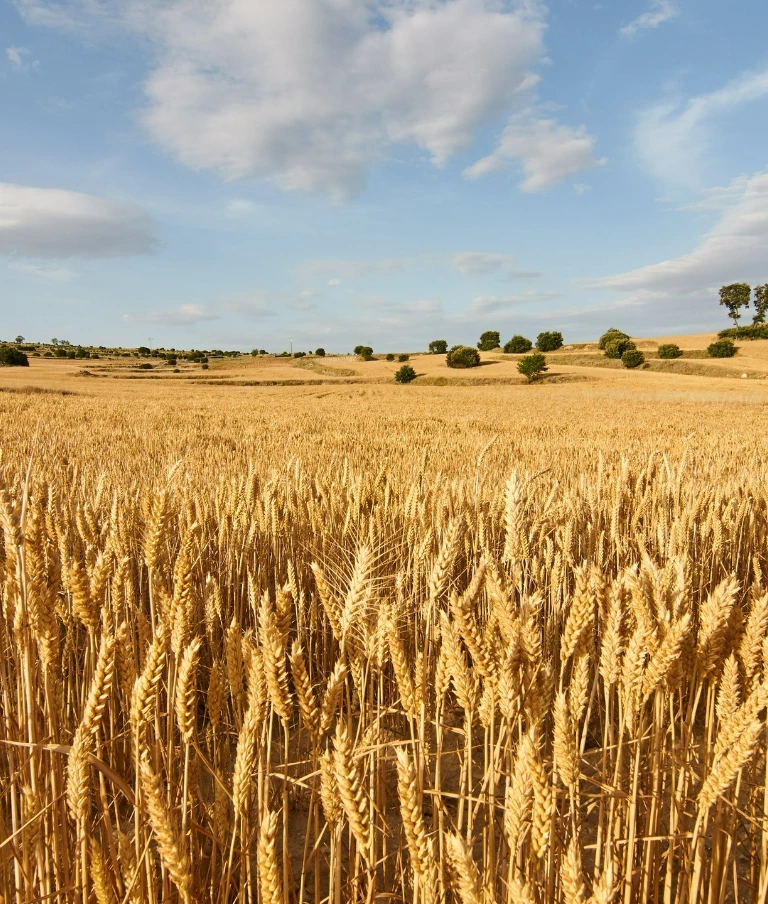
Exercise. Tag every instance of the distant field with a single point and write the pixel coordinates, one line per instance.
(463, 641)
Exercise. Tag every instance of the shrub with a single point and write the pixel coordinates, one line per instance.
(405, 374)
(60, 352)
(723, 348)
(670, 351)
(320, 352)
(390, 357)
(403, 357)
(438, 347)
(532, 366)
(366, 352)
(143, 350)
(632, 357)
(145, 366)
(82, 352)
(609, 335)
(255, 353)
(71, 354)
(463, 356)
(48, 355)
(549, 342)
(171, 359)
(753, 331)
(518, 345)
(489, 340)
(359, 349)
(615, 348)
(205, 367)
(299, 354)
(12, 357)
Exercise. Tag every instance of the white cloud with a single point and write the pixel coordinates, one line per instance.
(733, 250)
(661, 11)
(494, 304)
(672, 138)
(49, 274)
(334, 282)
(311, 93)
(19, 58)
(483, 263)
(183, 315)
(546, 151)
(54, 223)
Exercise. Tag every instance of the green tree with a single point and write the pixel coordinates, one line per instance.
(670, 350)
(532, 366)
(549, 342)
(761, 303)
(406, 374)
(359, 349)
(609, 335)
(463, 356)
(403, 357)
(615, 348)
(143, 350)
(366, 352)
(489, 340)
(632, 357)
(19, 340)
(518, 345)
(12, 357)
(438, 347)
(735, 297)
(320, 352)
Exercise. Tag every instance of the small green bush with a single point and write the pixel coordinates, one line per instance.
(609, 335)
(438, 347)
(532, 366)
(670, 350)
(145, 366)
(518, 345)
(405, 374)
(390, 357)
(615, 348)
(82, 352)
(255, 353)
(403, 357)
(60, 352)
(320, 352)
(365, 352)
(171, 360)
(463, 356)
(723, 348)
(299, 354)
(549, 342)
(12, 357)
(751, 331)
(205, 367)
(632, 357)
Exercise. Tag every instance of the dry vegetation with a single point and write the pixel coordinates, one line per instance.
(371, 643)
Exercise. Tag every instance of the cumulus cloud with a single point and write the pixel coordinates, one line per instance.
(311, 93)
(55, 223)
(546, 151)
(733, 250)
(19, 58)
(672, 137)
(661, 11)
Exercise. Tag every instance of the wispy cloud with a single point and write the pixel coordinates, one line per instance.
(495, 304)
(661, 11)
(20, 59)
(673, 137)
(42, 271)
(183, 315)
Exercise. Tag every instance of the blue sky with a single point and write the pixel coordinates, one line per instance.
(233, 174)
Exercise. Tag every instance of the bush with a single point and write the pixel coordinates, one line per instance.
(615, 348)
(518, 345)
(255, 353)
(489, 340)
(405, 374)
(145, 366)
(532, 366)
(549, 342)
(143, 350)
(205, 367)
(753, 331)
(366, 352)
(390, 357)
(438, 347)
(60, 352)
(403, 357)
(723, 348)
(12, 357)
(463, 356)
(320, 352)
(609, 335)
(82, 352)
(632, 357)
(299, 354)
(71, 354)
(359, 349)
(171, 359)
(670, 351)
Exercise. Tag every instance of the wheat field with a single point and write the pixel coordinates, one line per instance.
(357, 644)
